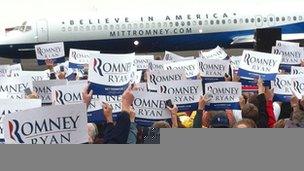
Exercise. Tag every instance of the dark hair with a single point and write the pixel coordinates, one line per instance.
(250, 111)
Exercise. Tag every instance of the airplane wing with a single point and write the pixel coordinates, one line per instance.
(250, 38)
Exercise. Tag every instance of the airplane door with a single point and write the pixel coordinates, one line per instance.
(259, 21)
(42, 31)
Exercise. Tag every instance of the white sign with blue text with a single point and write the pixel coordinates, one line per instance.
(53, 51)
(258, 64)
(214, 69)
(282, 88)
(44, 89)
(66, 124)
(291, 56)
(185, 94)
(110, 74)
(14, 87)
(223, 95)
(79, 58)
(191, 67)
(217, 53)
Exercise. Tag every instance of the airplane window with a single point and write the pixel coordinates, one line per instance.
(223, 21)
(295, 18)
(123, 26)
(271, 19)
(300, 18)
(135, 26)
(252, 20)
(259, 20)
(182, 24)
(278, 19)
(117, 27)
(189, 23)
(211, 22)
(171, 24)
(246, 20)
(159, 24)
(81, 28)
(265, 19)
(176, 24)
(63, 29)
(93, 28)
(289, 18)
(229, 21)
(283, 18)
(99, 27)
(194, 23)
(241, 20)
(153, 25)
(111, 27)
(165, 24)
(200, 23)
(105, 27)
(235, 21)
(148, 25)
(75, 28)
(218, 22)
(141, 25)
(206, 22)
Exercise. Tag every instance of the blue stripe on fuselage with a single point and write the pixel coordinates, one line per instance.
(153, 44)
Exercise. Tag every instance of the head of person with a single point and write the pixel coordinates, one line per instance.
(161, 124)
(280, 124)
(245, 123)
(92, 132)
(219, 121)
(250, 111)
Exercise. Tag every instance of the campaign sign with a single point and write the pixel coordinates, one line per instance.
(7, 70)
(54, 51)
(14, 87)
(79, 58)
(191, 67)
(35, 75)
(235, 63)
(44, 89)
(297, 70)
(110, 74)
(224, 95)
(113, 101)
(282, 88)
(136, 77)
(291, 56)
(185, 94)
(142, 61)
(169, 56)
(298, 86)
(9, 106)
(143, 87)
(155, 78)
(150, 106)
(287, 44)
(156, 65)
(213, 69)
(258, 64)
(217, 53)
(72, 94)
(47, 125)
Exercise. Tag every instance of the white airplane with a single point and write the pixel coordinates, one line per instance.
(150, 27)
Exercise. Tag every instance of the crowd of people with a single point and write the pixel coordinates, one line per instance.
(258, 110)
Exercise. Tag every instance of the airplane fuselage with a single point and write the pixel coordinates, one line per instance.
(147, 32)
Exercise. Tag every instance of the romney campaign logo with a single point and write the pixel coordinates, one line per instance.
(298, 86)
(14, 127)
(97, 66)
(59, 97)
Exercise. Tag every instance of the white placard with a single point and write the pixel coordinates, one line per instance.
(224, 95)
(47, 125)
(214, 68)
(284, 43)
(185, 94)
(150, 106)
(297, 70)
(142, 61)
(156, 65)
(9, 106)
(110, 74)
(217, 53)
(169, 56)
(191, 67)
(160, 76)
(291, 55)
(14, 87)
(79, 58)
(283, 87)
(44, 89)
(35, 75)
(255, 64)
(54, 51)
